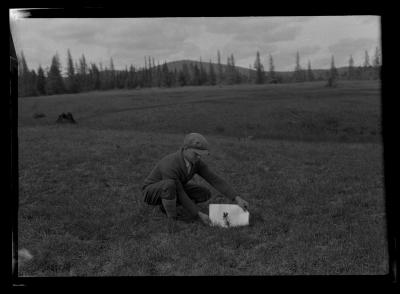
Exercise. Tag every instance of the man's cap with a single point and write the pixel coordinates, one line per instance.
(197, 142)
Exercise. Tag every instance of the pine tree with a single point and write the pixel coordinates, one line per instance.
(32, 83)
(366, 60)
(181, 78)
(212, 76)
(351, 73)
(77, 76)
(333, 70)
(203, 74)
(95, 81)
(333, 74)
(159, 74)
(82, 76)
(41, 82)
(310, 74)
(298, 71)
(186, 74)
(220, 77)
(227, 74)
(71, 82)
(196, 75)
(145, 73)
(55, 83)
(377, 64)
(175, 78)
(112, 74)
(260, 76)
(377, 58)
(230, 73)
(150, 73)
(131, 77)
(271, 68)
(166, 77)
(121, 77)
(235, 73)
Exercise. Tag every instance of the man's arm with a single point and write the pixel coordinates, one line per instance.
(217, 182)
(222, 186)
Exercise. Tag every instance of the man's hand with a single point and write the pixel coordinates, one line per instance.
(242, 203)
(204, 218)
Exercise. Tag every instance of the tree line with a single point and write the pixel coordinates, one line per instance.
(81, 76)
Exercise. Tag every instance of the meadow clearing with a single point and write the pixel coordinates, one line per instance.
(309, 160)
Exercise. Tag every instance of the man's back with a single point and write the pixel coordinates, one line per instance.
(171, 166)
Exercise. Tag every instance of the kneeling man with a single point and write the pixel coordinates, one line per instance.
(168, 183)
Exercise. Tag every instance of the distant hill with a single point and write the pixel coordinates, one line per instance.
(318, 73)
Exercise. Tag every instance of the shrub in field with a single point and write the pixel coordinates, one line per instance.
(66, 118)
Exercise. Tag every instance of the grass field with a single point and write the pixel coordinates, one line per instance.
(307, 158)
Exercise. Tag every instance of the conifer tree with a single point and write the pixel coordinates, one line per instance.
(166, 77)
(159, 74)
(351, 73)
(203, 74)
(235, 76)
(271, 68)
(196, 75)
(310, 74)
(377, 64)
(186, 76)
(95, 77)
(150, 73)
(333, 70)
(175, 78)
(220, 76)
(131, 77)
(82, 76)
(55, 83)
(366, 60)
(181, 78)
(377, 58)
(41, 82)
(333, 74)
(298, 71)
(112, 74)
(71, 81)
(32, 83)
(212, 76)
(260, 76)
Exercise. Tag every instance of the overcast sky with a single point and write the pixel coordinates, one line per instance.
(128, 40)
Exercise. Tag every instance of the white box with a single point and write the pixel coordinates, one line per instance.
(228, 215)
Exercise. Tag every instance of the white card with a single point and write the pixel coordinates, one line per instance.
(228, 215)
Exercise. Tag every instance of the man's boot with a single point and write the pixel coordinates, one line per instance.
(170, 207)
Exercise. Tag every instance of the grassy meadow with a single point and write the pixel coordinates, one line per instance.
(308, 159)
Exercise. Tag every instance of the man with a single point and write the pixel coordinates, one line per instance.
(168, 183)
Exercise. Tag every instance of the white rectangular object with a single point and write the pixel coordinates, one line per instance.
(228, 215)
